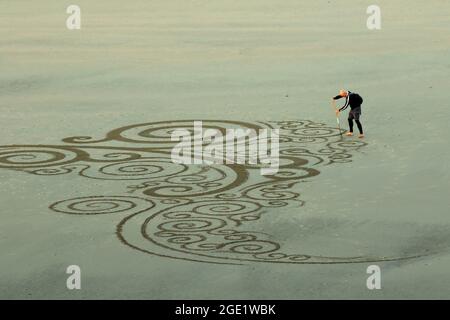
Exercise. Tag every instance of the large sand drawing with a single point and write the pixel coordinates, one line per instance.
(192, 212)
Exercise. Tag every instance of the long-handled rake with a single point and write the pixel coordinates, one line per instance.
(333, 104)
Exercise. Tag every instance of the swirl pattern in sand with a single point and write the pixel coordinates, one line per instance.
(191, 212)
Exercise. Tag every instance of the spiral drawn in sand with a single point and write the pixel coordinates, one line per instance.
(102, 205)
(191, 212)
(21, 157)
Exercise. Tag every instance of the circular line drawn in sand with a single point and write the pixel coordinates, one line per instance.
(102, 205)
(193, 212)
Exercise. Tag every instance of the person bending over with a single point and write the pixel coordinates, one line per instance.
(353, 100)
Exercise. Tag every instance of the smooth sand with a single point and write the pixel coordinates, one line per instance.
(143, 61)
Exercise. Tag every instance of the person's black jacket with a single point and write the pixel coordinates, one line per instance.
(353, 100)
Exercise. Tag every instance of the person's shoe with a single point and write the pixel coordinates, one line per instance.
(349, 134)
(361, 136)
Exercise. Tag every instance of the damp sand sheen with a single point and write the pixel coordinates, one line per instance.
(86, 176)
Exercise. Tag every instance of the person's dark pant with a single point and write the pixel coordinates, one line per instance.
(355, 114)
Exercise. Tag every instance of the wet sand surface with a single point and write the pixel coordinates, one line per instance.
(253, 62)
